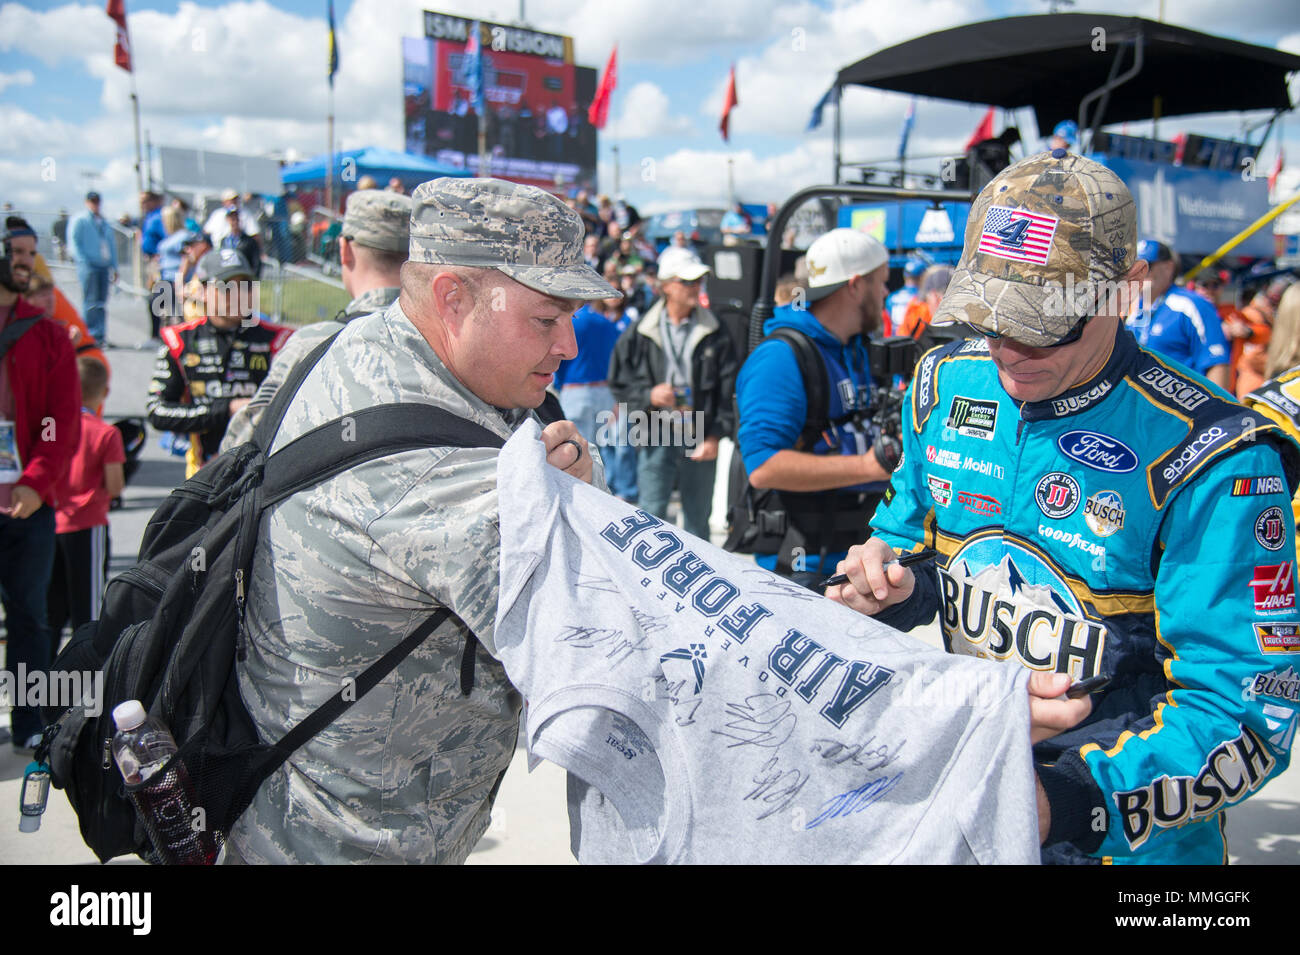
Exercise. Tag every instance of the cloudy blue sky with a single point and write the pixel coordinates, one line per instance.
(249, 77)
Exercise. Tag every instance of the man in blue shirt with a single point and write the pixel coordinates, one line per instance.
(94, 247)
(583, 381)
(1176, 322)
(828, 464)
(896, 304)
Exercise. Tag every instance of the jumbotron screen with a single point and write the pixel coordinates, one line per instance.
(536, 98)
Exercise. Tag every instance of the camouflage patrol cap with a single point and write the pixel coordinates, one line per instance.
(1040, 240)
(378, 219)
(519, 230)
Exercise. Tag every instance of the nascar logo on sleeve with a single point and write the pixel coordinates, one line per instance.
(1274, 586)
(1272, 484)
(1017, 235)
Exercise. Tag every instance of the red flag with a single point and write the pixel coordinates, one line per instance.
(116, 11)
(728, 103)
(983, 131)
(1277, 168)
(598, 111)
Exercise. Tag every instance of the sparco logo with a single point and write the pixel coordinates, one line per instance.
(973, 418)
(923, 384)
(1176, 389)
(1233, 769)
(1270, 528)
(1191, 451)
(1057, 495)
(1098, 451)
(1073, 403)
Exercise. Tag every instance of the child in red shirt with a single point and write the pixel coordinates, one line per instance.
(94, 478)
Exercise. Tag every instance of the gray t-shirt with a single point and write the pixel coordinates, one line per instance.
(710, 711)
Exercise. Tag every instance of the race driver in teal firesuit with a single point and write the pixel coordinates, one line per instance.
(1097, 510)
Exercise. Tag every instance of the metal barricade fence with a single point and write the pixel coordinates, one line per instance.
(288, 294)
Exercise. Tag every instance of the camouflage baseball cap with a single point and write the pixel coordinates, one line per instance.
(519, 230)
(378, 219)
(1040, 240)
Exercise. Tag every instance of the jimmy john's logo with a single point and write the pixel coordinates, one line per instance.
(1243, 487)
(997, 614)
(1278, 637)
(1104, 512)
(1072, 403)
(940, 490)
(972, 417)
(1177, 389)
(1274, 586)
(1233, 770)
(1057, 495)
(1271, 528)
(1280, 686)
(1098, 451)
(1192, 450)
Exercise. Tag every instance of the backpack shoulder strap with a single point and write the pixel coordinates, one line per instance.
(269, 423)
(812, 369)
(370, 433)
(9, 337)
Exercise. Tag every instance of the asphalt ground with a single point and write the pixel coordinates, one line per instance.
(530, 821)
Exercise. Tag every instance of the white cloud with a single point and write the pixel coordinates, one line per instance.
(21, 78)
(646, 113)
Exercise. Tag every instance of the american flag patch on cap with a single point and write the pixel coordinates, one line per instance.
(1016, 234)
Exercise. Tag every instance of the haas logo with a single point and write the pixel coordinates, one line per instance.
(1274, 588)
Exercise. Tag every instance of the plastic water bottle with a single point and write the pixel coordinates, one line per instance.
(141, 747)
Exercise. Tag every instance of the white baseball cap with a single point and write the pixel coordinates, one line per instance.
(678, 263)
(839, 255)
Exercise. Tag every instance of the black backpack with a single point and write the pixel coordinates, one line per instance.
(172, 626)
(756, 522)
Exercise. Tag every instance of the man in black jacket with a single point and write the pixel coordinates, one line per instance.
(209, 368)
(674, 373)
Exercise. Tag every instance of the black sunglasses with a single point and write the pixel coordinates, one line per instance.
(1072, 336)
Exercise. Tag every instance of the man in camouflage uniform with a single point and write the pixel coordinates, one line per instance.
(348, 568)
(372, 248)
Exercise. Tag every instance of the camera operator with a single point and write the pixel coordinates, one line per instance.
(805, 428)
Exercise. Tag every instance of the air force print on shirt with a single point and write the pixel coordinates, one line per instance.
(710, 711)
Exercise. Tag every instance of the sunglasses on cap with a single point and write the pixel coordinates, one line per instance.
(1072, 336)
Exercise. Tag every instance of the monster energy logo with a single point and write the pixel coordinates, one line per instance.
(973, 418)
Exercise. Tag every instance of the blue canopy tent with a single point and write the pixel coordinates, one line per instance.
(382, 164)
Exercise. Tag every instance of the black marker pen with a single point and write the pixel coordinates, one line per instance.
(907, 560)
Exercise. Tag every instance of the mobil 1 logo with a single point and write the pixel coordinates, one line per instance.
(1057, 494)
(972, 417)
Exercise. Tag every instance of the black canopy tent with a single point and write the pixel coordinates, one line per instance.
(1052, 62)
